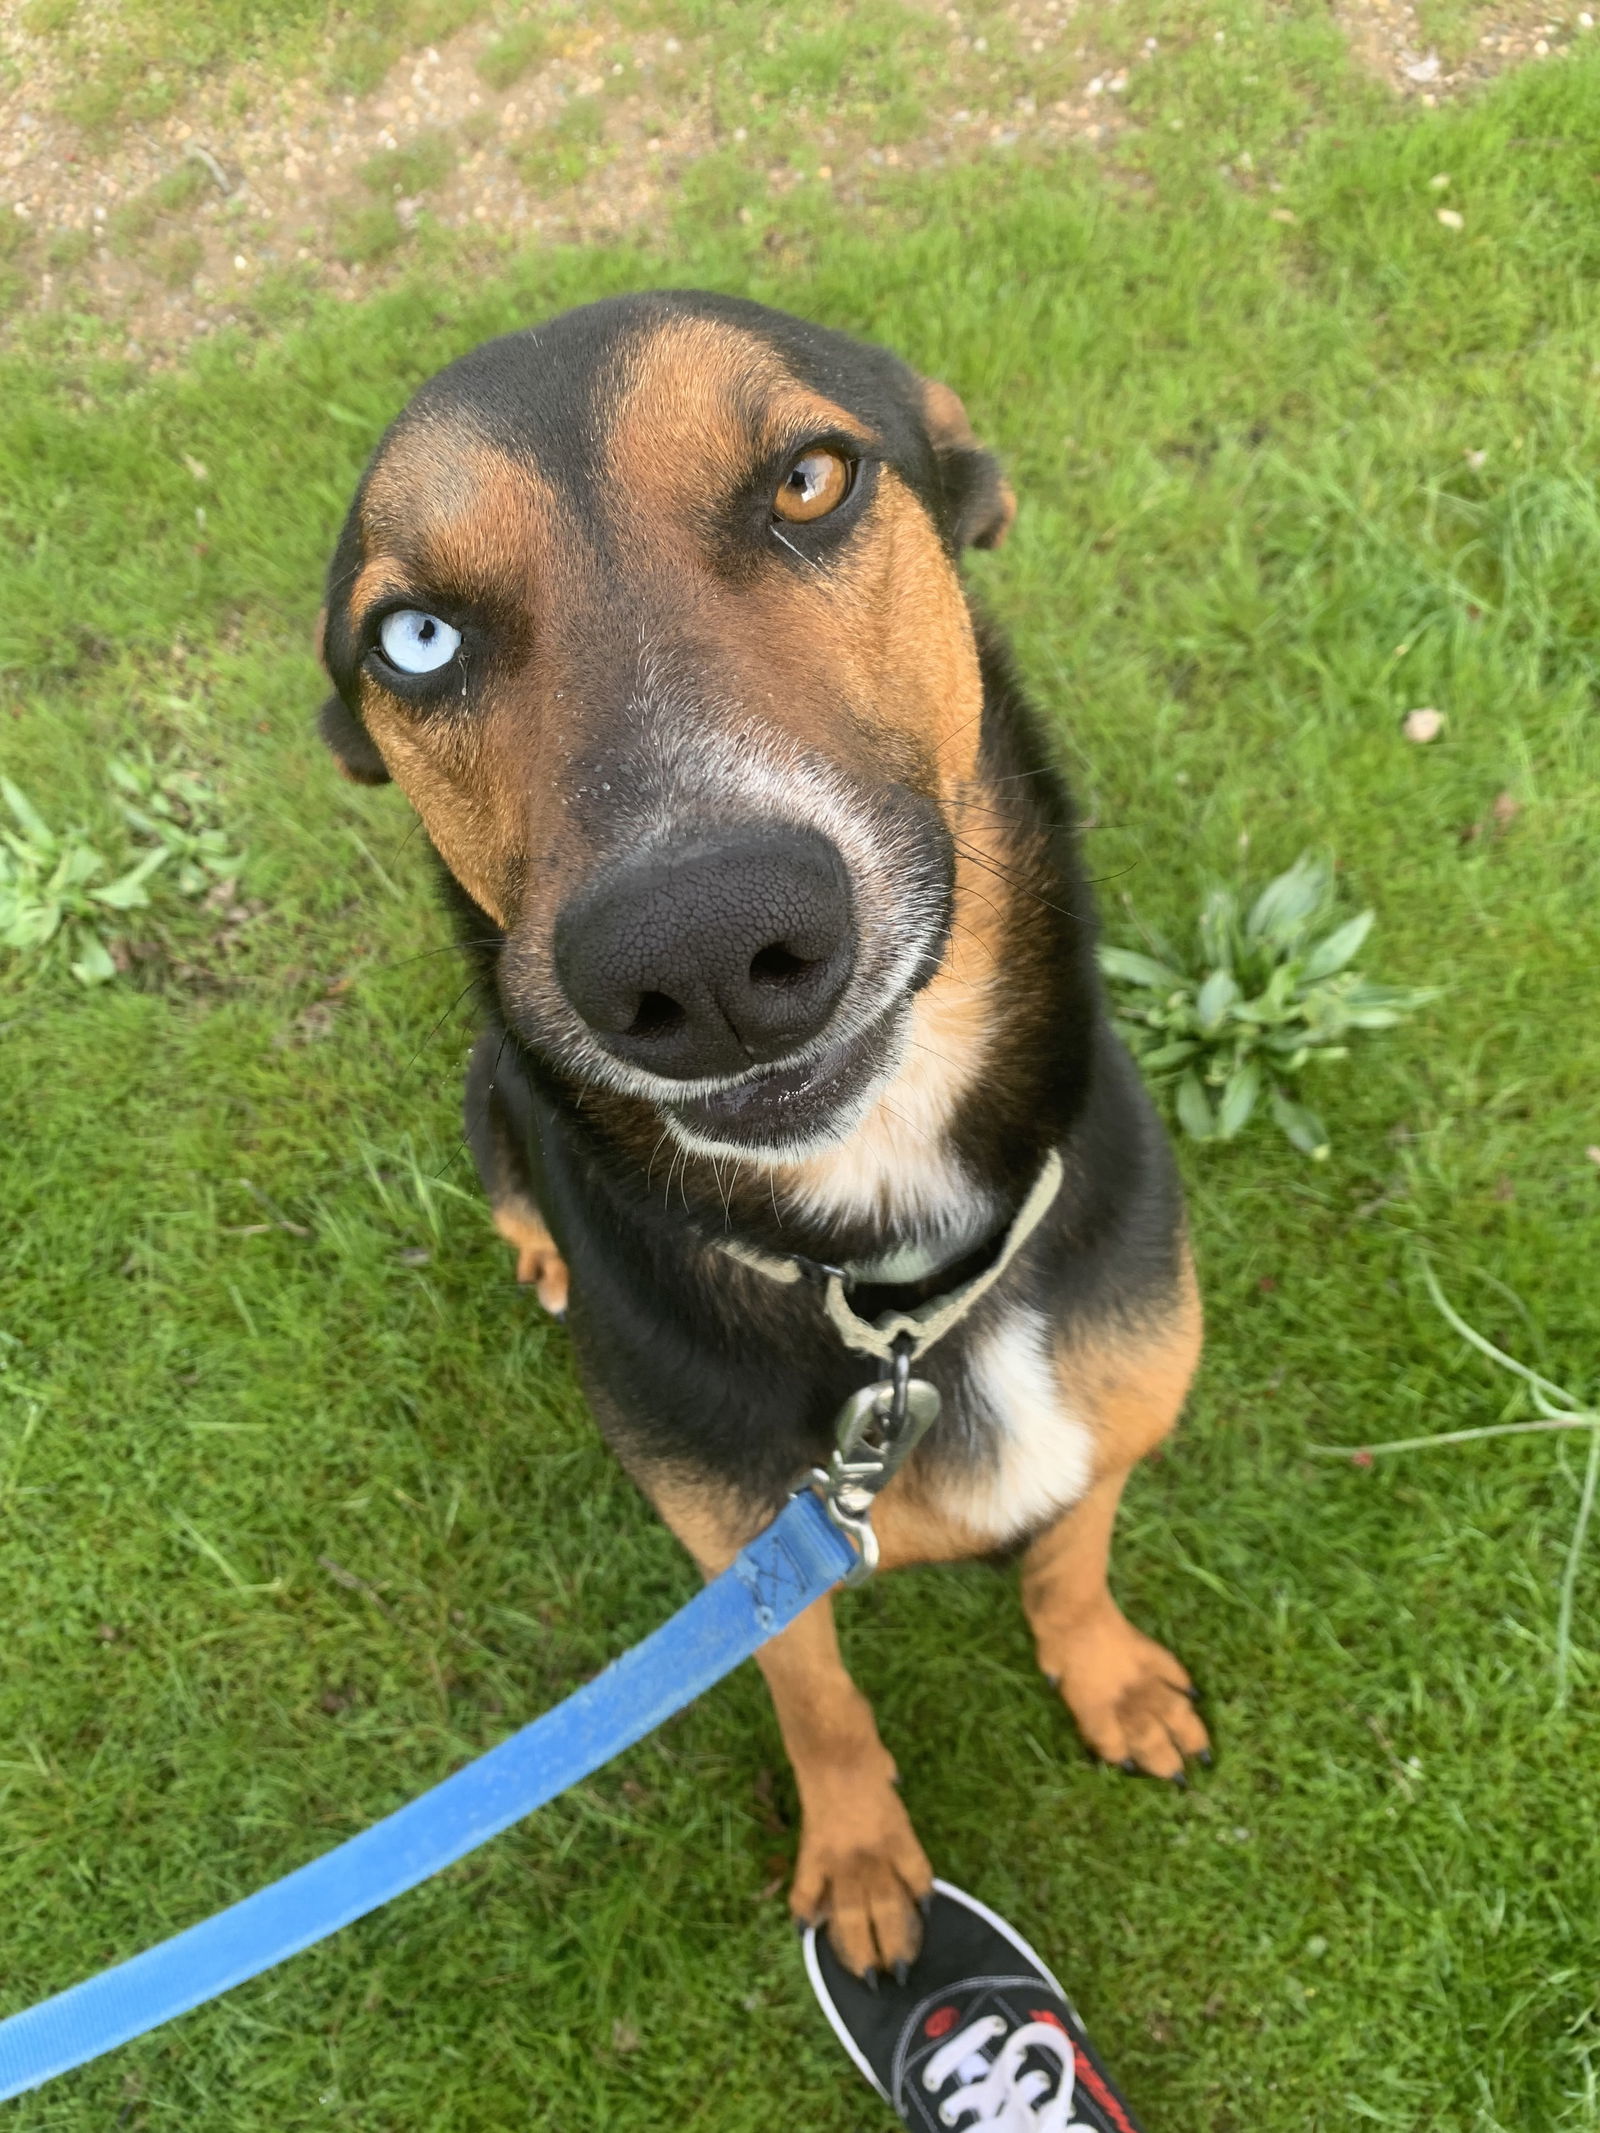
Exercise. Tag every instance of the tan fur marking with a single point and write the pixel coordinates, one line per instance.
(859, 1865)
(468, 522)
(472, 818)
(430, 476)
(882, 633)
(697, 399)
(894, 616)
(378, 579)
(1129, 1695)
(896, 1152)
(1130, 1390)
(912, 1528)
(540, 1265)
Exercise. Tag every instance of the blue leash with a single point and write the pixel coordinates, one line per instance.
(800, 1556)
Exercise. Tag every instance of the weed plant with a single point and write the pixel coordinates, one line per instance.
(1267, 992)
(56, 900)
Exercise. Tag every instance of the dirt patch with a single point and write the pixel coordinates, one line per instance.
(174, 228)
(1392, 40)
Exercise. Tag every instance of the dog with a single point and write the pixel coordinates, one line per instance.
(654, 612)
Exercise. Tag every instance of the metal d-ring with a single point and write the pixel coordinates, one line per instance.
(878, 1428)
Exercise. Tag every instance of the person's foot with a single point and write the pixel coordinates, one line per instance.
(976, 2033)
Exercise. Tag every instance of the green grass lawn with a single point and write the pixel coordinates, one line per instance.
(1251, 539)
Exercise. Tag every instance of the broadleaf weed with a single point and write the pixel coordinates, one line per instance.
(60, 893)
(1269, 989)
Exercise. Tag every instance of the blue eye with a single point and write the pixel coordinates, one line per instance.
(417, 643)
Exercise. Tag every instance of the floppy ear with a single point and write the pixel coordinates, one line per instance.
(344, 733)
(352, 745)
(979, 503)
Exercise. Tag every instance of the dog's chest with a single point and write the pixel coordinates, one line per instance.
(1031, 1455)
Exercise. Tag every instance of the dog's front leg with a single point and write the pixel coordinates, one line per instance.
(495, 1137)
(860, 1866)
(1131, 1698)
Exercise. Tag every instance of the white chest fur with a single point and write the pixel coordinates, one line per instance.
(898, 1166)
(1042, 1456)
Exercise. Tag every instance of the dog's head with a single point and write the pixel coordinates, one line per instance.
(654, 613)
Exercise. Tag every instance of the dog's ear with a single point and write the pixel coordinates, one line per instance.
(352, 745)
(978, 500)
(344, 733)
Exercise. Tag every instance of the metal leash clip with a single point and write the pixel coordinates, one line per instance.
(877, 1430)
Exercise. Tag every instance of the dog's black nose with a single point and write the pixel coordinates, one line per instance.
(713, 956)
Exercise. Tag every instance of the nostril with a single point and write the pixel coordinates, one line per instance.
(779, 966)
(705, 957)
(657, 1015)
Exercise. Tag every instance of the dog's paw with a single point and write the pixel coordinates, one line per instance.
(542, 1269)
(540, 1266)
(862, 1869)
(1133, 1702)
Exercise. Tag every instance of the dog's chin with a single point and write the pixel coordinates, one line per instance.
(790, 1112)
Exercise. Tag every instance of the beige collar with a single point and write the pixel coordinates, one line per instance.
(930, 1321)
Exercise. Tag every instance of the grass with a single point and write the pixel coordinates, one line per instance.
(365, 234)
(568, 147)
(136, 62)
(159, 204)
(526, 43)
(254, 1323)
(422, 164)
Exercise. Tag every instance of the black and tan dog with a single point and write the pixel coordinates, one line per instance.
(654, 613)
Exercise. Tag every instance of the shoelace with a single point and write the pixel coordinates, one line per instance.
(995, 2093)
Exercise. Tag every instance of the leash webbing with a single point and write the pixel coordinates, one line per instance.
(795, 1561)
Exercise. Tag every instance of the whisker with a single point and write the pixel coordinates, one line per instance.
(650, 1167)
(439, 1025)
(989, 900)
(800, 552)
(488, 1097)
(400, 962)
(965, 727)
(1048, 770)
(959, 925)
(901, 1119)
(1023, 888)
(415, 825)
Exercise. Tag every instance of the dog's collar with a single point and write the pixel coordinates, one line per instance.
(910, 1316)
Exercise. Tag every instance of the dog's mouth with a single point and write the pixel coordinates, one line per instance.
(790, 1109)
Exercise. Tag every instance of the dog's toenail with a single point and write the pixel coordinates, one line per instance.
(901, 1970)
(1204, 1758)
(869, 1977)
(1128, 1766)
(1180, 1781)
(925, 1904)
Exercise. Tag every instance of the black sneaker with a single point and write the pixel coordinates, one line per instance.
(980, 2035)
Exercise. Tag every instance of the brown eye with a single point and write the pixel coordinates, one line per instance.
(816, 484)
